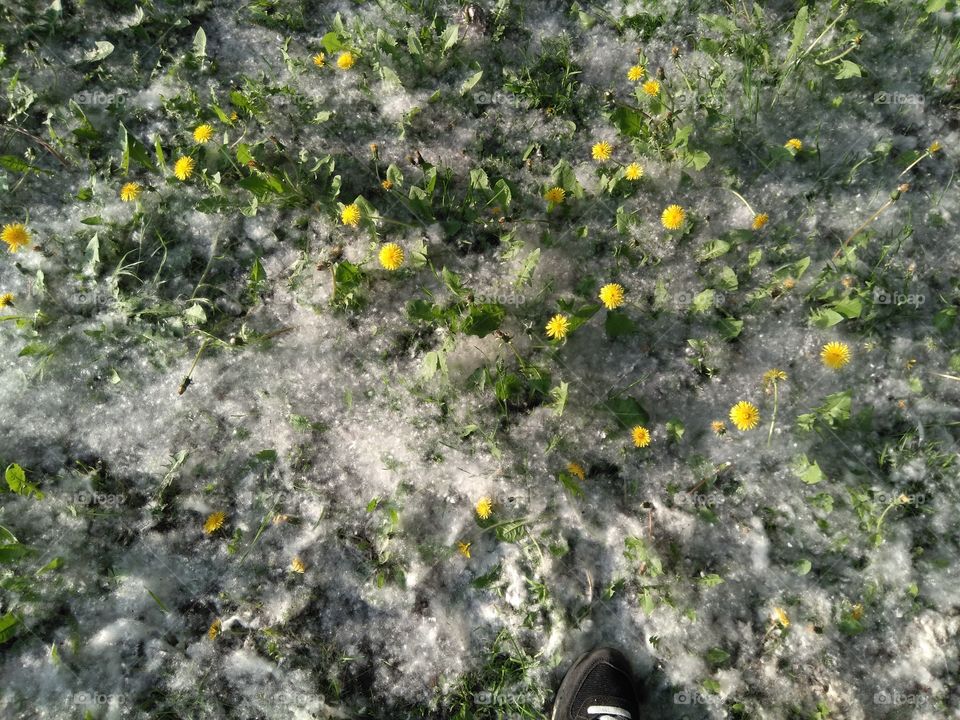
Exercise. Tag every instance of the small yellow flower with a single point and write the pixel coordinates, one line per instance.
(216, 627)
(672, 217)
(935, 146)
(297, 565)
(794, 144)
(651, 88)
(602, 151)
(633, 171)
(130, 192)
(183, 167)
(719, 427)
(464, 549)
(759, 220)
(641, 436)
(6, 300)
(773, 375)
(745, 415)
(16, 236)
(319, 59)
(387, 184)
(780, 615)
(391, 256)
(484, 507)
(558, 327)
(555, 195)
(350, 215)
(576, 469)
(346, 60)
(835, 355)
(234, 117)
(636, 72)
(203, 133)
(214, 522)
(789, 283)
(611, 295)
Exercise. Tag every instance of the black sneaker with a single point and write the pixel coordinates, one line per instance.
(599, 686)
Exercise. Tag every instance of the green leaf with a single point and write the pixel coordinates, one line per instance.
(482, 319)
(331, 42)
(570, 484)
(847, 69)
(802, 567)
(101, 49)
(799, 32)
(133, 148)
(511, 531)
(200, 44)
(849, 307)
(713, 249)
(450, 36)
(628, 121)
(470, 82)
(711, 580)
(717, 656)
(17, 482)
(703, 301)
(347, 279)
(8, 626)
(808, 472)
(618, 324)
(824, 318)
(729, 327)
(16, 164)
(628, 411)
(559, 395)
(195, 315)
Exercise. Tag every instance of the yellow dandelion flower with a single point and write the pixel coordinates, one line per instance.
(214, 522)
(16, 236)
(297, 565)
(745, 415)
(319, 59)
(464, 549)
(611, 295)
(216, 627)
(350, 215)
(672, 217)
(130, 192)
(640, 435)
(387, 184)
(391, 256)
(633, 171)
(935, 146)
(780, 615)
(203, 133)
(835, 355)
(794, 144)
(555, 195)
(6, 300)
(759, 220)
(789, 283)
(773, 375)
(719, 427)
(346, 60)
(636, 72)
(558, 327)
(484, 507)
(234, 117)
(183, 167)
(576, 469)
(602, 151)
(651, 88)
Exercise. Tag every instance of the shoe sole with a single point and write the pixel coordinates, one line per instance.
(563, 683)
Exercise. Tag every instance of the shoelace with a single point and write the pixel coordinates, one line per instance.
(608, 712)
